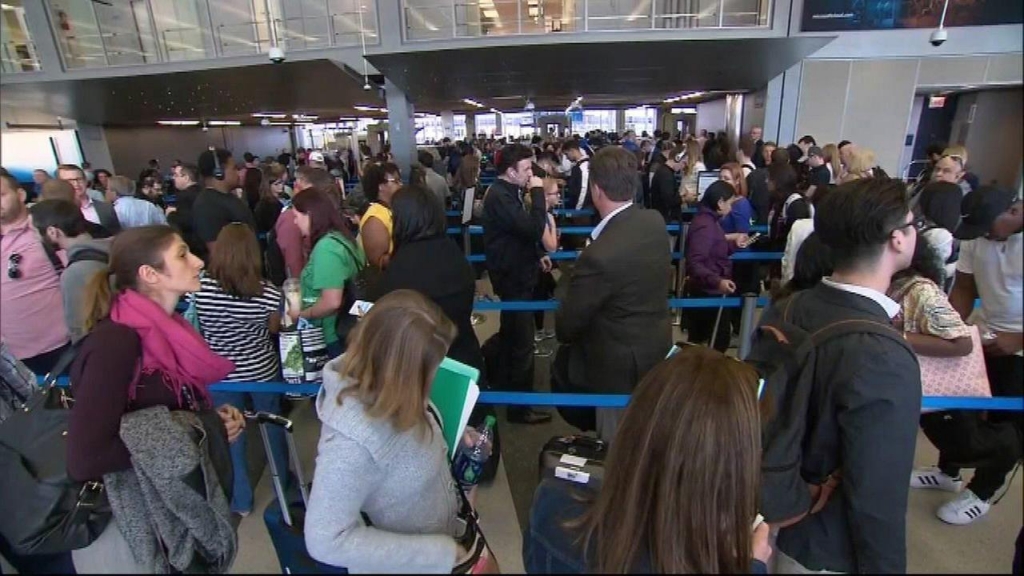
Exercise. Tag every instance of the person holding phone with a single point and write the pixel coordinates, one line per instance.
(708, 267)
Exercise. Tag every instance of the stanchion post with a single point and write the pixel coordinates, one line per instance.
(747, 324)
(466, 247)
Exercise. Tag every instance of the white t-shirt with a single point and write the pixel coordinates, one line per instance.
(801, 229)
(997, 268)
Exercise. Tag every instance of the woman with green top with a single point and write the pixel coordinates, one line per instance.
(335, 259)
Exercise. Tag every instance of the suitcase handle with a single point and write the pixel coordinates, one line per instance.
(595, 443)
(264, 419)
(268, 418)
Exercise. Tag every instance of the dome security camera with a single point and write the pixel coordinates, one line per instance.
(265, 122)
(276, 55)
(939, 37)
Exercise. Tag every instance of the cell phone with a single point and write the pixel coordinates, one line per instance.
(757, 521)
(754, 238)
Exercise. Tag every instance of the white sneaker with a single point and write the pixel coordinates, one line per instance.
(935, 479)
(963, 509)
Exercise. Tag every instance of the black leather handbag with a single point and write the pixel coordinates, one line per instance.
(44, 511)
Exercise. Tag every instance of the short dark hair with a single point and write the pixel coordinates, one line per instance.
(426, 159)
(935, 148)
(67, 167)
(511, 155)
(614, 170)
(190, 170)
(206, 164)
(13, 182)
(807, 139)
(842, 143)
(59, 214)
(856, 220)
(318, 177)
(779, 156)
(570, 145)
(718, 191)
(374, 176)
(417, 215)
(783, 176)
(248, 157)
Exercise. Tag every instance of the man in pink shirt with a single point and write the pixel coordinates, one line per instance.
(294, 247)
(32, 323)
(101, 213)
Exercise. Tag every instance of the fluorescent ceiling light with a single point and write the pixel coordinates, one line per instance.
(685, 110)
(275, 115)
(473, 103)
(496, 111)
(304, 116)
(486, 3)
(280, 123)
(224, 123)
(492, 14)
(685, 96)
(369, 109)
(178, 122)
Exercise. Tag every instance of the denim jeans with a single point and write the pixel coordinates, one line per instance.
(242, 499)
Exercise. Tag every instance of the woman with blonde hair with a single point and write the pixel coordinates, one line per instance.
(694, 165)
(381, 455)
(862, 162)
(831, 157)
(681, 482)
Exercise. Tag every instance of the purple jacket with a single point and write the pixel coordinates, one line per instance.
(707, 252)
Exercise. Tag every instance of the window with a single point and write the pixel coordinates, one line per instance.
(486, 124)
(640, 120)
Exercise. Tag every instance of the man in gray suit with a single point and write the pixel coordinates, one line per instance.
(101, 213)
(613, 318)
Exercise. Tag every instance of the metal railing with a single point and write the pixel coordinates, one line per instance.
(425, 20)
(156, 31)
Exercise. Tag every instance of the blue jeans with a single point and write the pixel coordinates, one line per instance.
(242, 498)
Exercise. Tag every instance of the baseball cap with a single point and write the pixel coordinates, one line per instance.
(980, 209)
(316, 156)
(815, 151)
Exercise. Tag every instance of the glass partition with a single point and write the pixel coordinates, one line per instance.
(122, 32)
(19, 53)
(437, 19)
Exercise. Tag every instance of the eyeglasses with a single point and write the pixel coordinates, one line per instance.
(73, 180)
(13, 261)
(919, 223)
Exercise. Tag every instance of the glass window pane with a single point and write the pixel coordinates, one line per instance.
(78, 33)
(19, 53)
(183, 28)
(349, 18)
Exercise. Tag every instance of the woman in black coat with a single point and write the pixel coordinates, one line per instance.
(425, 259)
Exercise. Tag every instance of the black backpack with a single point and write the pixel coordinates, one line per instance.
(784, 356)
(88, 255)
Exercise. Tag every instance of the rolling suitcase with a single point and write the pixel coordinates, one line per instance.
(578, 459)
(284, 521)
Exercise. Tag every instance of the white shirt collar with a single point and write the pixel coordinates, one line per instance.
(604, 221)
(891, 307)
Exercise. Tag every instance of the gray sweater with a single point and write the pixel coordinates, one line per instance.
(401, 482)
(73, 281)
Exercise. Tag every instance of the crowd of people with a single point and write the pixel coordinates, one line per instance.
(97, 265)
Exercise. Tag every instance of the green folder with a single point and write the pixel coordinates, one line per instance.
(454, 394)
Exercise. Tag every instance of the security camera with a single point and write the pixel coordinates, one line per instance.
(939, 37)
(276, 55)
(265, 122)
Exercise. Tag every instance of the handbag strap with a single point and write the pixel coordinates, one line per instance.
(65, 360)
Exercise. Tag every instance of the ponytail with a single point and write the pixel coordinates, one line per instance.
(97, 299)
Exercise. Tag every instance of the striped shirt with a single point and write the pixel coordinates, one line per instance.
(236, 328)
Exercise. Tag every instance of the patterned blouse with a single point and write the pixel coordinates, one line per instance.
(925, 309)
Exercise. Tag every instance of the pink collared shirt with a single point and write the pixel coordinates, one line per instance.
(31, 307)
(89, 211)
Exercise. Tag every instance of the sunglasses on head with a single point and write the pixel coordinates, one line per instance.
(13, 261)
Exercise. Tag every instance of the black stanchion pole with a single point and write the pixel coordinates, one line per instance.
(747, 324)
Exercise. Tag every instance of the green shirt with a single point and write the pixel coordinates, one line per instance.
(330, 266)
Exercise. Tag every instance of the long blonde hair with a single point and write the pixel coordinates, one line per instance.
(861, 163)
(393, 354)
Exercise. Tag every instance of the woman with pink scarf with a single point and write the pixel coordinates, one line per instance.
(138, 354)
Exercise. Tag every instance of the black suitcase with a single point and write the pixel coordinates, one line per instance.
(578, 459)
(284, 521)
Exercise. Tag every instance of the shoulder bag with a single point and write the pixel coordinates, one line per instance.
(43, 510)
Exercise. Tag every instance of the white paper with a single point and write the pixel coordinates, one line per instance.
(571, 475)
(467, 205)
(573, 460)
(360, 308)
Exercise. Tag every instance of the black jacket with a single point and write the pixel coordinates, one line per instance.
(664, 193)
(574, 186)
(873, 386)
(759, 195)
(512, 239)
(182, 217)
(438, 269)
(614, 312)
(108, 217)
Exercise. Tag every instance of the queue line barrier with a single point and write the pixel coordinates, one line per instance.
(573, 255)
(1013, 404)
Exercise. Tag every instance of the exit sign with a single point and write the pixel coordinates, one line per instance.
(936, 101)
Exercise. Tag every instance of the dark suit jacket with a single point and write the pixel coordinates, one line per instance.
(614, 313)
(108, 217)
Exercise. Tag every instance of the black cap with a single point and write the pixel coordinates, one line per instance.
(980, 209)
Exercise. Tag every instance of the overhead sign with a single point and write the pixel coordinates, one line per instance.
(835, 15)
(936, 101)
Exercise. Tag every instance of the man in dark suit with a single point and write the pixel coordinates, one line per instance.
(613, 319)
(100, 213)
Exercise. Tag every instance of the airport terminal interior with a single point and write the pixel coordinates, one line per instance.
(132, 96)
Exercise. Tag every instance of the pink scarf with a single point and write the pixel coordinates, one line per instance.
(170, 346)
